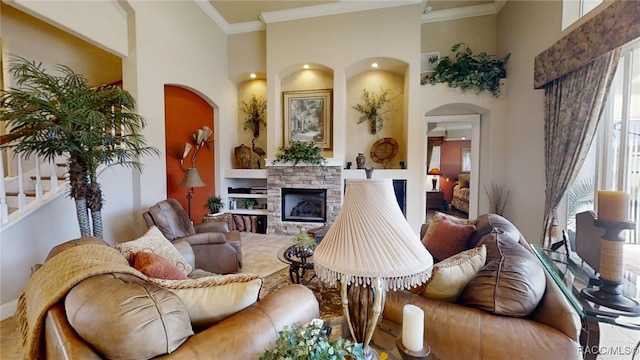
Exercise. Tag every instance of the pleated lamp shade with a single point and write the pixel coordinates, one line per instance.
(370, 238)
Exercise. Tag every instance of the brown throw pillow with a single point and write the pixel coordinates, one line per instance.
(448, 238)
(239, 222)
(156, 266)
(247, 223)
(511, 283)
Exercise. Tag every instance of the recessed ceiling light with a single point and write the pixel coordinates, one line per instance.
(374, 65)
(306, 66)
(463, 138)
(253, 76)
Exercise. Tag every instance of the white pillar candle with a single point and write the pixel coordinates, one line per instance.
(613, 206)
(412, 327)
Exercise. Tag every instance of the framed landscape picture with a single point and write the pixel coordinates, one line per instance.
(307, 117)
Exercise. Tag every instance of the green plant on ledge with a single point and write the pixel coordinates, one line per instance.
(311, 343)
(469, 71)
(255, 110)
(300, 151)
(214, 204)
(249, 203)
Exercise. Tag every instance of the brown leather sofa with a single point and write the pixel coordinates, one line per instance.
(153, 318)
(456, 331)
(217, 249)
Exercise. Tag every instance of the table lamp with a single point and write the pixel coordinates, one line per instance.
(191, 180)
(369, 249)
(436, 173)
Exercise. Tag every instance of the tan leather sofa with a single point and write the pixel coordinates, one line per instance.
(455, 331)
(122, 301)
(217, 249)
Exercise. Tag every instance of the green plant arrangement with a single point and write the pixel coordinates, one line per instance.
(311, 342)
(249, 203)
(300, 151)
(373, 108)
(214, 204)
(469, 71)
(305, 244)
(255, 110)
(62, 115)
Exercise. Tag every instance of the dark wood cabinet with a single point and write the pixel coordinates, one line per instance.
(435, 200)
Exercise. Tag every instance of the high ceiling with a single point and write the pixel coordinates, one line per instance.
(241, 11)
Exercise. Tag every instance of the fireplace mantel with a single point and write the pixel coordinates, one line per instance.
(329, 162)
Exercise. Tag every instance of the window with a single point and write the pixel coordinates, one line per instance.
(613, 162)
(572, 10)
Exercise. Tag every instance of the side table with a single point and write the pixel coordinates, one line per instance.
(298, 265)
(435, 200)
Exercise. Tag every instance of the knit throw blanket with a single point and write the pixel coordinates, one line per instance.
(49, 284)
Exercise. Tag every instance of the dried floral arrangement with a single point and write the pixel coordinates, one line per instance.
(374, 108)
(202, 137)
(498, 196)
(255, 110)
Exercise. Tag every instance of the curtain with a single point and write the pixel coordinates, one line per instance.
(429, 153)
(573, 105)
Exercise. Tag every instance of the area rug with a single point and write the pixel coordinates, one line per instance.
(260, 253)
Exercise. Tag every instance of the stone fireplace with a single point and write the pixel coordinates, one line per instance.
(302, 197)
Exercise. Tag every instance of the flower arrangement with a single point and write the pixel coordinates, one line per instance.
(373, 108)
(498, 196)
(311, 342)
(255, 110)
(300, 151)
(469, 71)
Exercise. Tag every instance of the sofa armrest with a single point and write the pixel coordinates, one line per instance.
(260, 322)
(205, 238)
(212, 226)
(186, 251)
(62, 341)
(457, 332)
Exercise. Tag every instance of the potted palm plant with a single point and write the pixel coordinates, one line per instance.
(214, 204)
(62, 115)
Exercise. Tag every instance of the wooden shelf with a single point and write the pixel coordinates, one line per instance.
(248, 196)
(245, 174)
(249, 211)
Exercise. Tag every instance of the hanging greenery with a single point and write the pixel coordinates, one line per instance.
(300, 151)
(469, 71)
(374, 108)
(255, 110)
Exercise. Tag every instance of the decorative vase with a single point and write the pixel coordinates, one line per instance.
(243, 156)
(360, 159)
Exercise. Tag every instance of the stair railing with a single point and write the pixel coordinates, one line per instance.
(28, 191)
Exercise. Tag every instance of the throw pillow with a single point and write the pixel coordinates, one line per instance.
(156, 266)
(247, 223)
(511, 283)
(448, 238)
(451, 275)
(154, 242)
(210, 300)
(239, 222)
(125, 317)
(438, 216)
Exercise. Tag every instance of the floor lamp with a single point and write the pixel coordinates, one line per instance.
(369, 249)
(191, 180)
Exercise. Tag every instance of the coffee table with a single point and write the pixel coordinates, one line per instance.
(572, 275)
(298, 265)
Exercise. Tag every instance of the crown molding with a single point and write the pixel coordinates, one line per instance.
(463, 12)
(208, 9)
(336, 8)
(248, 26)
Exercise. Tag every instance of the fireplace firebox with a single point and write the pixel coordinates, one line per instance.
(304, 205)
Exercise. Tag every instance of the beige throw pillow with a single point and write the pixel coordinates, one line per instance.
(154, 242)
(210, 300)
(451, 275)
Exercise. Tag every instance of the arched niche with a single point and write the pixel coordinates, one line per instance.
(389, 74)
(297, 80)
(247, 89)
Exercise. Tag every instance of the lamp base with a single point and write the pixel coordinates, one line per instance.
(611, 300)
(407, 354)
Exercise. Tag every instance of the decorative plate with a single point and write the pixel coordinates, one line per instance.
(384, 150)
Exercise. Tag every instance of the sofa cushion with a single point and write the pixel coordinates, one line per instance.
(209, 300)
(511, 283)
(154, 242)
(447, 238)
(156, 266)
(451, 275)
(125, 317)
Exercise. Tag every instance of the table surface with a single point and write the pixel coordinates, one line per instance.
(572, 275)
(287, 256)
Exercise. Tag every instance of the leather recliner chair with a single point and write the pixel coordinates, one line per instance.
(216, 249)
